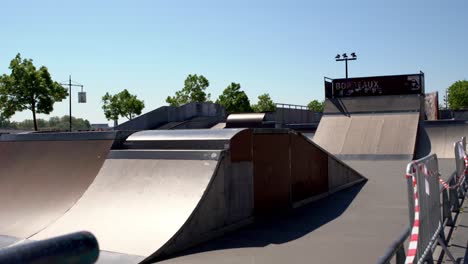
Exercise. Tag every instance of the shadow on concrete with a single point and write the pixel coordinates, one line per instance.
(284, 228)
(423, 143)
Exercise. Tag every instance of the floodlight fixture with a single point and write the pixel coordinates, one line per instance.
(344, 57)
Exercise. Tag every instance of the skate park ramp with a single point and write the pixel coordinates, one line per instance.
(43, 175)
(146, 202)
(438, 137)
(191, 115)
(376, 136)
(370, 127)
(170, 190)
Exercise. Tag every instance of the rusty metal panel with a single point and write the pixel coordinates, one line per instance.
(241, 146)
(309, 169)
(272, 175)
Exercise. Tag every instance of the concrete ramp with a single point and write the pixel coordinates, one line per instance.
(167, 191)
(369, 136)
(438, 137)
(376, 136)
(43, 175)
(153, 203)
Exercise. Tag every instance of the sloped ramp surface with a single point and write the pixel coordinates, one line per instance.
(369, 136)
(136, 205)
(377, 140)
(42, 176)
(152, 203)
(440, 136)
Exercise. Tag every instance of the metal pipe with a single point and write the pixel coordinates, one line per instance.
(78, 248)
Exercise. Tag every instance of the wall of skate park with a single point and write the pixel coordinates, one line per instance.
(292, 114)
(287, 166)
(166, 114)
(289, 169)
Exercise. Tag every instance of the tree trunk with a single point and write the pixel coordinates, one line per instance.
(34, 117)
(116, 123)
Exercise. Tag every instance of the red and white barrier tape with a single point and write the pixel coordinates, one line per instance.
(460, 179)
(466, 164)
(413, 245)
(446, 186)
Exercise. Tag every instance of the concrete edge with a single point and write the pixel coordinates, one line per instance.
(74, 136)
(165, 154)
(326, 194)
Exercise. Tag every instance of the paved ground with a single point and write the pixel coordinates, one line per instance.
(357, 225)
(458, 244)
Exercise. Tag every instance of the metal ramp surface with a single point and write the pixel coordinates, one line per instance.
(35, 191)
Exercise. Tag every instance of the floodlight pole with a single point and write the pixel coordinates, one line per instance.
(345, 59)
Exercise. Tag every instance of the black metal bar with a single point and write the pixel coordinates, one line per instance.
(346, 63)
(70, 85)
(79, 248)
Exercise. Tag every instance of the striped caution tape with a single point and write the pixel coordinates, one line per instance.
(413, 245)
(466, 164)
(461, 178)
(446, 186)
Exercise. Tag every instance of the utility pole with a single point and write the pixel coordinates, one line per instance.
(345, 58)
(69, 84)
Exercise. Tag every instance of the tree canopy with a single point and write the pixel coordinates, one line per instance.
(264, 104)
(458, 95)
(122, 104)
(28, 88)
(234, 100)
(316, 106)
(193, 91)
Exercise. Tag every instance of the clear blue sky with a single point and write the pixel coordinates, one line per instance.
(283, 48)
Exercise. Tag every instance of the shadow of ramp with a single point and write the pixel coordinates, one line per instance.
(423, 143)
(339, 105)
(280, 229)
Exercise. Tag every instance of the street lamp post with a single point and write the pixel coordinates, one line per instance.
(69, 84)
(345, 58)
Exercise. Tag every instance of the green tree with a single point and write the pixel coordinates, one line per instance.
(234, 100)
(131, 106)
(264, 104)
(111, 107)
(5, 122)
(122, 104)
(27, 88)
(458, 95)
(54, 123)
(193, 91)
(64, 123)
(316, 106)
